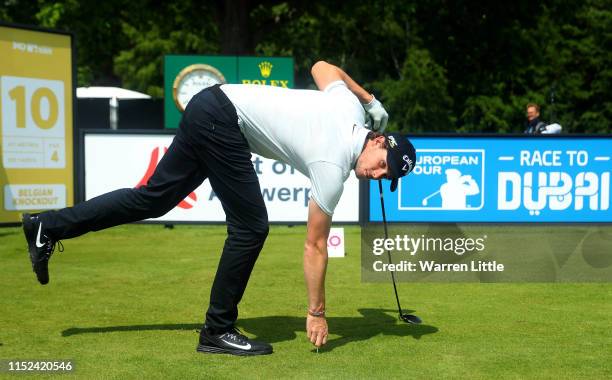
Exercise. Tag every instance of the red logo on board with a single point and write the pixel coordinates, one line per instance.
(155, 158)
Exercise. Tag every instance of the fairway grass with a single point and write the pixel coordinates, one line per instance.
(126, 303)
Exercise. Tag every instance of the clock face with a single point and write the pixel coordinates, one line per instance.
(192, 80)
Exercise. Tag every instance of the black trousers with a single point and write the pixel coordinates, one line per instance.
(208, 144)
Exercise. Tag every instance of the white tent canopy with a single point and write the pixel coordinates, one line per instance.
(109, 92)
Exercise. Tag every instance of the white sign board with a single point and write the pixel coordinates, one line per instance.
(335, 242)
(128, 160)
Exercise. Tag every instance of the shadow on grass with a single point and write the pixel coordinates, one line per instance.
(276, 329)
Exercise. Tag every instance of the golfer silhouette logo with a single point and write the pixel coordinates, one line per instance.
(455, 191)
(186, 203)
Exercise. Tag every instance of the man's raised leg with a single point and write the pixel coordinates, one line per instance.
(177, 174)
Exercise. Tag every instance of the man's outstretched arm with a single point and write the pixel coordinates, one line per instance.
(315, 266)
(325, 73)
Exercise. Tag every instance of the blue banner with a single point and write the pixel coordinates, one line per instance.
(502, 179)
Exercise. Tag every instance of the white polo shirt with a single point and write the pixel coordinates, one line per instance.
(319, 133)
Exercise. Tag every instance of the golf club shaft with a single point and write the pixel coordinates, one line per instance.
(382, 206)
(431, 195)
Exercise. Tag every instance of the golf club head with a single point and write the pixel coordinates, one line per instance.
(410, 318)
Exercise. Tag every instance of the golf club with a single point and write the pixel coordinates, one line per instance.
(408, 318)
(424, 202)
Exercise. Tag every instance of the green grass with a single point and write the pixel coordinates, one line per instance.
(126, 302)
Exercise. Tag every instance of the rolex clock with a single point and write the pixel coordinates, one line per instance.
(193, 79)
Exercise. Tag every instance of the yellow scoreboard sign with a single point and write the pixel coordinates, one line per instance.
(36, 131)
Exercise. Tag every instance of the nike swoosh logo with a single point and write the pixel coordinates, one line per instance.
(38, 243)
(245, 347)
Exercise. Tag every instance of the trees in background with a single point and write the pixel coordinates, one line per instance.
(437, 65)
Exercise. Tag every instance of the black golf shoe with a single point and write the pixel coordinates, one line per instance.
(231, 342)
(40, 246)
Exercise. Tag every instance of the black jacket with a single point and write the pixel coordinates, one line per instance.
(535, 127)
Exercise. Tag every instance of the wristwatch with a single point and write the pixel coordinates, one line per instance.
(193, 79)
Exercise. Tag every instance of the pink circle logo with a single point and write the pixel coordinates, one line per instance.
(334, 241)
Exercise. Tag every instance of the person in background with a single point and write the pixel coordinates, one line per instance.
(534, 125)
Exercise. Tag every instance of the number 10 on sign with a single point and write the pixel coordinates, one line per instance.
(33, 122)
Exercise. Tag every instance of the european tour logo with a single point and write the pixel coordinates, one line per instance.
(445, 179)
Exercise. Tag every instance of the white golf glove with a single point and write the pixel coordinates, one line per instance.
(378, 114)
